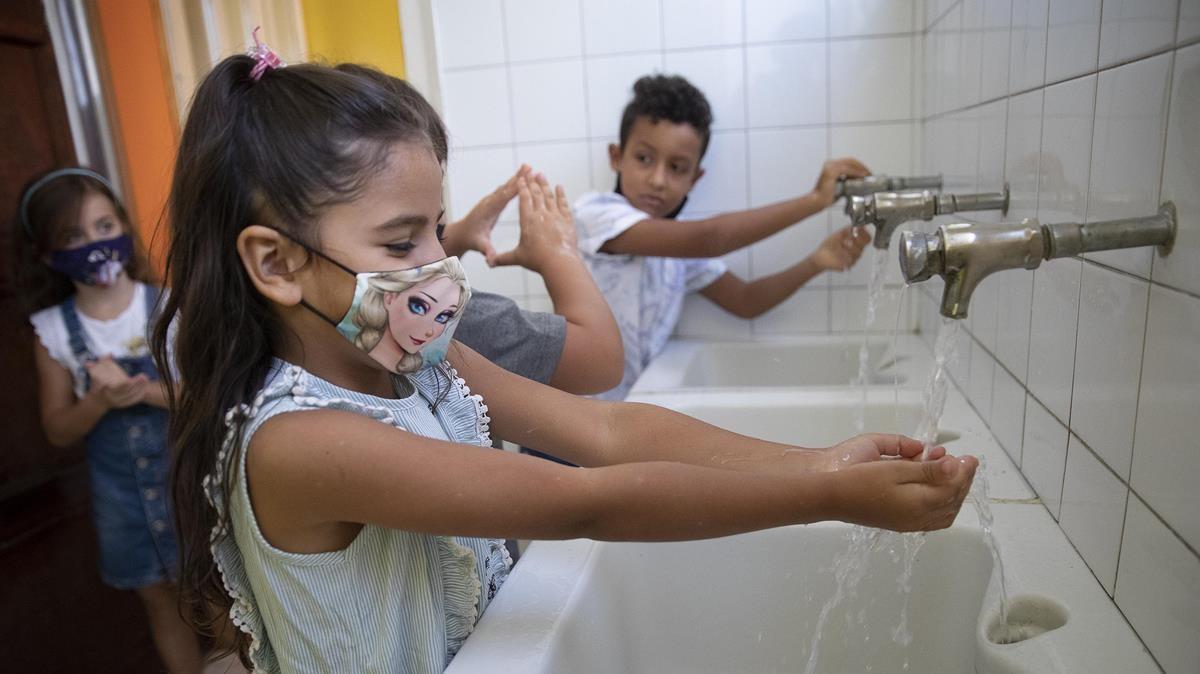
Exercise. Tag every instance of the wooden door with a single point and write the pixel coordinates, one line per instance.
(55, 615)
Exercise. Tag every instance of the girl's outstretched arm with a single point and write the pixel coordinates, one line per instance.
(315, 476)
(597, 433)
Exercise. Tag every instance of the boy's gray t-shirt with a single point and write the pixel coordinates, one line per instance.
(528, 343)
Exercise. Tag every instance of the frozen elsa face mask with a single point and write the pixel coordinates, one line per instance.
(404, 319)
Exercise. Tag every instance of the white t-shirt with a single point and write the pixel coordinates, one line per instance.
(127, 335)
(645, 294)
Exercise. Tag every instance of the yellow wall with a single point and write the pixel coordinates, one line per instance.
(365, 31)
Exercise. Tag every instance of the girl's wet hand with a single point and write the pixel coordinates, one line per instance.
(547, 225)
(873, 447)
(474, 231)
(905, 495)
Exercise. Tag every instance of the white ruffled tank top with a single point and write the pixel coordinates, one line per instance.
(391, 601)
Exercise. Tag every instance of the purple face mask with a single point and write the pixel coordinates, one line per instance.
(96, 264)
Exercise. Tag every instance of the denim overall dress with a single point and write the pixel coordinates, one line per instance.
(129, 464)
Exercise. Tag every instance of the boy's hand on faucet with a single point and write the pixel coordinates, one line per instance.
(846, 167)
(547, 225)
(474, 231)
(840, 250)
(905, 495)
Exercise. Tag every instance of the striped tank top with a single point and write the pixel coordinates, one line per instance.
(392, 600)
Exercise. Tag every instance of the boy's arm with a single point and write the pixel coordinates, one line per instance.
(752, 299)
(725, 233)
(592, 357)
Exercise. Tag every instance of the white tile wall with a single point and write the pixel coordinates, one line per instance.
(1045, 454)
(1073, 38)
(1093, 511)
(1158, 589)
(1127, 150)
(790, 82)
(1077, 101)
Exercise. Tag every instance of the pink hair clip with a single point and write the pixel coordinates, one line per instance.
(266, 57)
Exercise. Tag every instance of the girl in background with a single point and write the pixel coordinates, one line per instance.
(81, 270)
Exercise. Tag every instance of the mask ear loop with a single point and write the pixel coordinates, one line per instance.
(313, 251)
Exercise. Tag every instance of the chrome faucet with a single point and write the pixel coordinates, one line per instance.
(964, 254)
(858, 187)
(889, 210)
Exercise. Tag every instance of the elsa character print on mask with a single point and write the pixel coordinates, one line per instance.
(405, 319)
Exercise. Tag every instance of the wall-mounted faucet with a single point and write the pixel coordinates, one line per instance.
(858, 187)
(889, 210)
(965, 254)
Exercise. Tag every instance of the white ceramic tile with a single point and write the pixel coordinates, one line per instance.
(1044, 457)
(993, 130)
(469, 32)
(774, 20)
(870, 79)
(548, 101)
(1166, 460)
(971, 51)
(1008, 413)
(784, 163)
(948, 76)
(1189, 20)
(702, 318)
(1158, 590)
(474, 173)
(1127, 151)
(782, 250)
(720, 74)
(1073, 38)
(1093, 511)
(884, 148)
(982, 316)
(1052, 333)
(1131, 28)
(738, 262)
(870, 17)
(604, 179)
(1027, 58)
(981, 380)
(1065, 163)
(1181, 174)
(564, 164)
(1014, 300)
(701, 23)
(616, 26)
(787, 84)
(996, 45)
(610, 88)
(1108, 360)
(805, 312)
(959, 172)
(723, 186)
(1022, 153)
(850, 310)
(476, 107)
(542, 29)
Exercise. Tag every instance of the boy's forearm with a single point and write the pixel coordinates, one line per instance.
(736, 230)
(768, 292)
(453, 242)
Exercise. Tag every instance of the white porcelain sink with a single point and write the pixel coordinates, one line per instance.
(802, 417)
(816, 361)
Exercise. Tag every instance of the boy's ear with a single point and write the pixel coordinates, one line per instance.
(614, 156)
(272, 260)
(699, 175)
